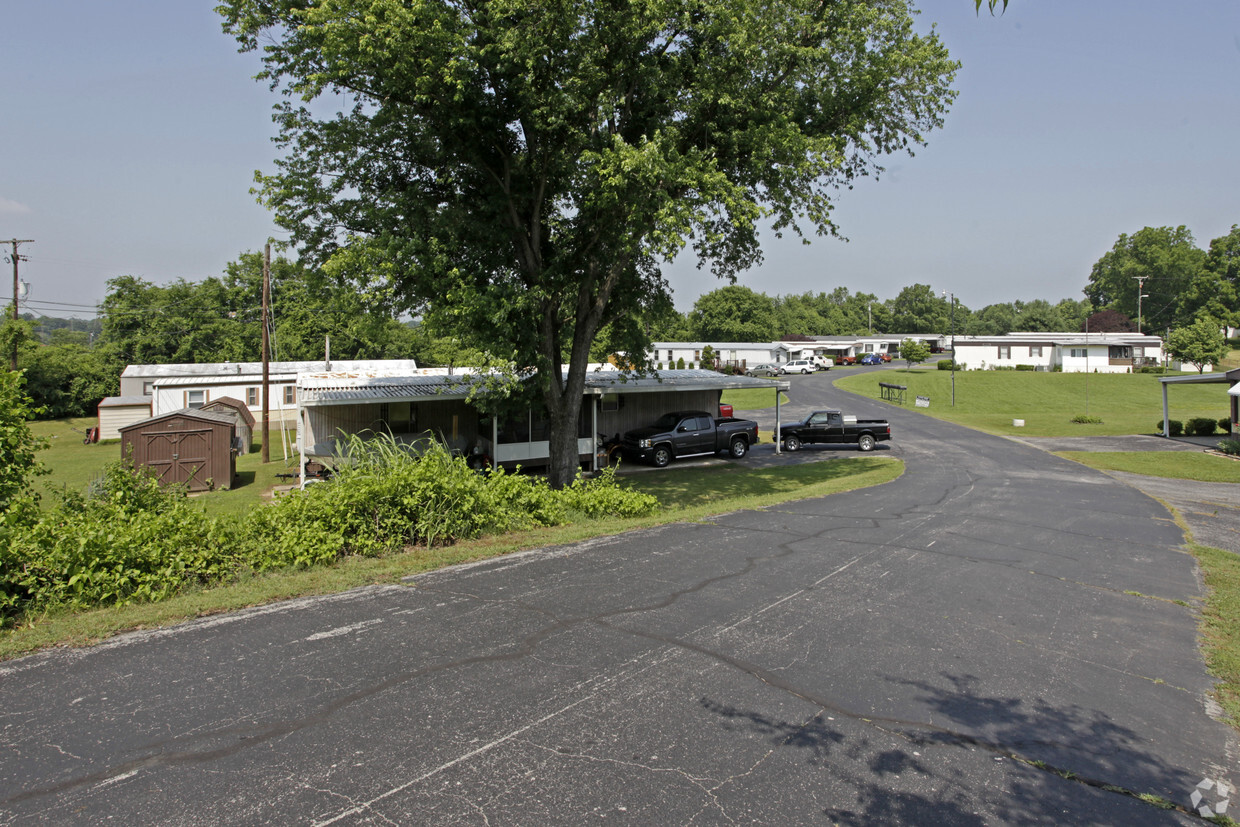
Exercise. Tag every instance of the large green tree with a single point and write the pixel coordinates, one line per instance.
(527, 168)
(1161, 263)
(1216, 290)
(1199, 344)
(918, 310)
(734, 314)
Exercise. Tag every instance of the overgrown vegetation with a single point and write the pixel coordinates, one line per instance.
(127, 540)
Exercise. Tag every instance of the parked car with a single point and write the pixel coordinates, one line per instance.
(833, 427)
(686, 433)
(870, 359)
(798, 366)
(846, 360)
(762, 370)
(824, 362)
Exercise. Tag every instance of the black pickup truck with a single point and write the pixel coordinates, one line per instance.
(834, 427)
(684, 433)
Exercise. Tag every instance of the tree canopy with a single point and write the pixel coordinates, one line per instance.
(1200, 344)
(1161, 263)
(525, 169)
(734, 314)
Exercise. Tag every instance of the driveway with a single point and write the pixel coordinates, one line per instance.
(999, 636)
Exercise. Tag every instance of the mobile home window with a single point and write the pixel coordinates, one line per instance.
(251, 397)
(1035, 350)
(1120, 352)
(148, 388)
(1005, 351)
(290, 394)
(195, 399)
(1078, 352)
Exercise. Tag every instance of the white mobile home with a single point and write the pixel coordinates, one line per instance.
(1069, 352)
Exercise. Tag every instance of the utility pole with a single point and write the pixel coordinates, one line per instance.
(1140, 296)
(266, 456)
(16, 287)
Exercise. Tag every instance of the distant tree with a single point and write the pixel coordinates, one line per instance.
(1108, 321)
(1216, 290)
(1073, 312)
(67, 380)
(918, 310)
(800, 316)
(1200, 344)
(734, 314)
(1168, 262)
(1039, 316)
(914, 351)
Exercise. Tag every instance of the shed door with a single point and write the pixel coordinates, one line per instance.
(179, 456)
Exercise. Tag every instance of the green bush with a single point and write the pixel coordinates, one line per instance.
(385, 498)
(1174, 427)
(1026, 367)
(603, 497)
(1082, 419)
(1224, 424)
(1201, 426)
(680, 363)
(1230, 446)
(128, 541)
(944, 364)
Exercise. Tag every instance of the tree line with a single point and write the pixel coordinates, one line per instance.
(738, 314)
(70, 366)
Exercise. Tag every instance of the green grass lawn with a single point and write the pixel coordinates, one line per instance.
(1172, 464)
(1047, 402)
(752, 399)
(73, 464)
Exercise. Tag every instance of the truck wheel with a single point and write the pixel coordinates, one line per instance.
(738, 448)
(866, 443)
(792, 443)
(661, 456)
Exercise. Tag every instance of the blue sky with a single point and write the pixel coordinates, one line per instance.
(131, 131)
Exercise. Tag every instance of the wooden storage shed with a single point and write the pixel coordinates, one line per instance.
(116, 412)
(243, 420)
(189, 446)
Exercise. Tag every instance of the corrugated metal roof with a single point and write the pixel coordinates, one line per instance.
(204, 381)
(340, 388)
(192, 413)
(247, 368)
(124, 401)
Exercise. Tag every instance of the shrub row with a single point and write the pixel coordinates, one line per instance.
(129, 540)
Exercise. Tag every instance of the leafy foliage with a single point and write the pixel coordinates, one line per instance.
(1165, 259)
(914, 351)
(386, 497)
(1174, 427)
(19, 463)
(1200, 344)
(128, 541)
(733, 314)
(1201, 426)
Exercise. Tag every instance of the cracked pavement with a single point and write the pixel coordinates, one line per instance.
(991, 639)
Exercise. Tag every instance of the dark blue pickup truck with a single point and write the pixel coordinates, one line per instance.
(685, 433)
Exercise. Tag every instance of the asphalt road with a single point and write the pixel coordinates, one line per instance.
(994, 638)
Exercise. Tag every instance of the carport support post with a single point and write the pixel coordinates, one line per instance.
(776, 419)
(1166, 412)
(494, 442)
(594, 433)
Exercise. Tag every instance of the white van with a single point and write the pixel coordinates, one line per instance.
(798, 366)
